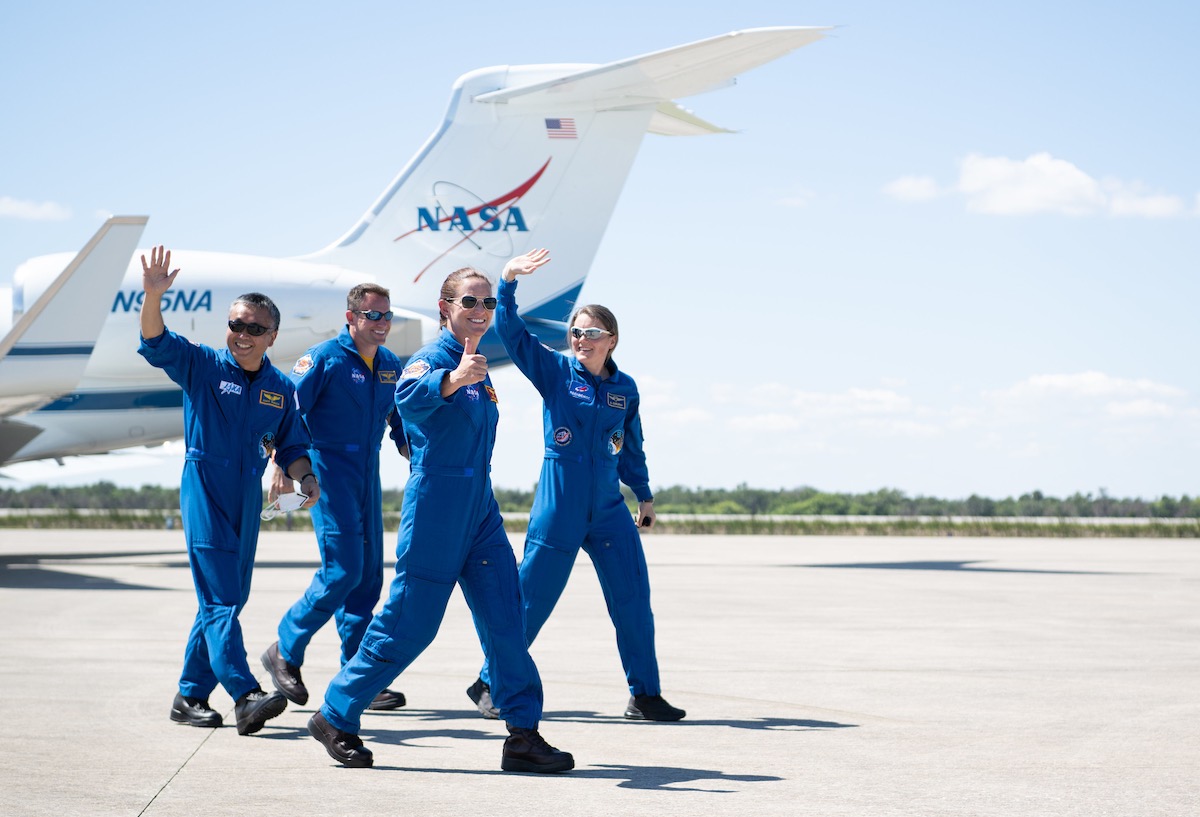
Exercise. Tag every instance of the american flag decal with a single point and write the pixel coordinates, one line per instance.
(560, 128)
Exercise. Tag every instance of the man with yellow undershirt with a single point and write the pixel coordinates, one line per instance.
(346, 387)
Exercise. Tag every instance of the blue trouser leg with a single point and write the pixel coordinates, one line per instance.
(620, 563)
(396, 636)
(198, 680)
(543, 575)
(346, 588)
(490, 586)
(216, 650)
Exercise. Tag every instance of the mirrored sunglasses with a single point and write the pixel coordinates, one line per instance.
(591, 333)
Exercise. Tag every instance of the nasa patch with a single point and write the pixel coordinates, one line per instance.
(562, 436)
(415, 369)
(358, 377)
(302, 366)
(472, 393)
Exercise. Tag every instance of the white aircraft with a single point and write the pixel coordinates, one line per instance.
(527, 156)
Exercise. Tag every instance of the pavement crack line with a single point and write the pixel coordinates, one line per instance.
(175, 774)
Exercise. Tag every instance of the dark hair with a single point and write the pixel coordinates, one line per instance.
(450, 285)
(356, 296)
(597, 313)
(259, 301)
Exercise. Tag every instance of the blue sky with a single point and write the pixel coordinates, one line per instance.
(952, 249)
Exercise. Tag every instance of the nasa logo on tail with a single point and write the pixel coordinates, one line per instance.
(464, 217)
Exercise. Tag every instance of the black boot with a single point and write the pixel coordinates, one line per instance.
(481, 694)
(387, 700)
(527, 751)
(194, 712)
(255, 708)
(285, 676)
(652, 708)
(344, 747)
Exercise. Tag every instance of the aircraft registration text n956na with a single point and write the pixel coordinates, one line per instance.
(558, 142)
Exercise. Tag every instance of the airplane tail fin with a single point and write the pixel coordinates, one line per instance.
(536, 156)
(47, 349)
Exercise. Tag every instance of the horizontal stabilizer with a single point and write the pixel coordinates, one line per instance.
(672, 120)
(662, 75)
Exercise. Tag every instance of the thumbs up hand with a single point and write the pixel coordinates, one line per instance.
(472, 368)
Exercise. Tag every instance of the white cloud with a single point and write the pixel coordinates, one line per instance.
(1134, 409)
(801, 199)
(1041, 183)
(913, 188)
(32, 211)
(1088, 385)
(1132, 200)
(760, 423)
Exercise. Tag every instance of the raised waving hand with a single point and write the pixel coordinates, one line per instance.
(157, 278)
(525, 264)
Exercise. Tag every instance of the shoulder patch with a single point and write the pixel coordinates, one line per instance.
(415, 369)
(302, 366)
(491, 393)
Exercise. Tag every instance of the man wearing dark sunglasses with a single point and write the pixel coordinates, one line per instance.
(239, 411)
(346, 387)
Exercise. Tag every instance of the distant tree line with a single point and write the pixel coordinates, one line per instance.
(679, 499)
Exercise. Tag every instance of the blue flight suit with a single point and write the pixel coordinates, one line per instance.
(231, 423)
(450, 531)
(346, 405)
(593, 438)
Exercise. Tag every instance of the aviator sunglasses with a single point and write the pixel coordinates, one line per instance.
(591, 333)
(254, 329)
(374, 314)
(470, 302)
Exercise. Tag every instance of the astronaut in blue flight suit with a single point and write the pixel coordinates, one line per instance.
(593, 438)
(346, 387)
(450, 531)
(238, 409)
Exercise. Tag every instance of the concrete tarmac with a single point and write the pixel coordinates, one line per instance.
(821, 675)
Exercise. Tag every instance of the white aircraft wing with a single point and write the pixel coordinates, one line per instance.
(45, 353)
(681, 71)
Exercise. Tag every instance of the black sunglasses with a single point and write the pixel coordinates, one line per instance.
(375, 315)
(254, 329)
(470, 302)
(591, 333)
